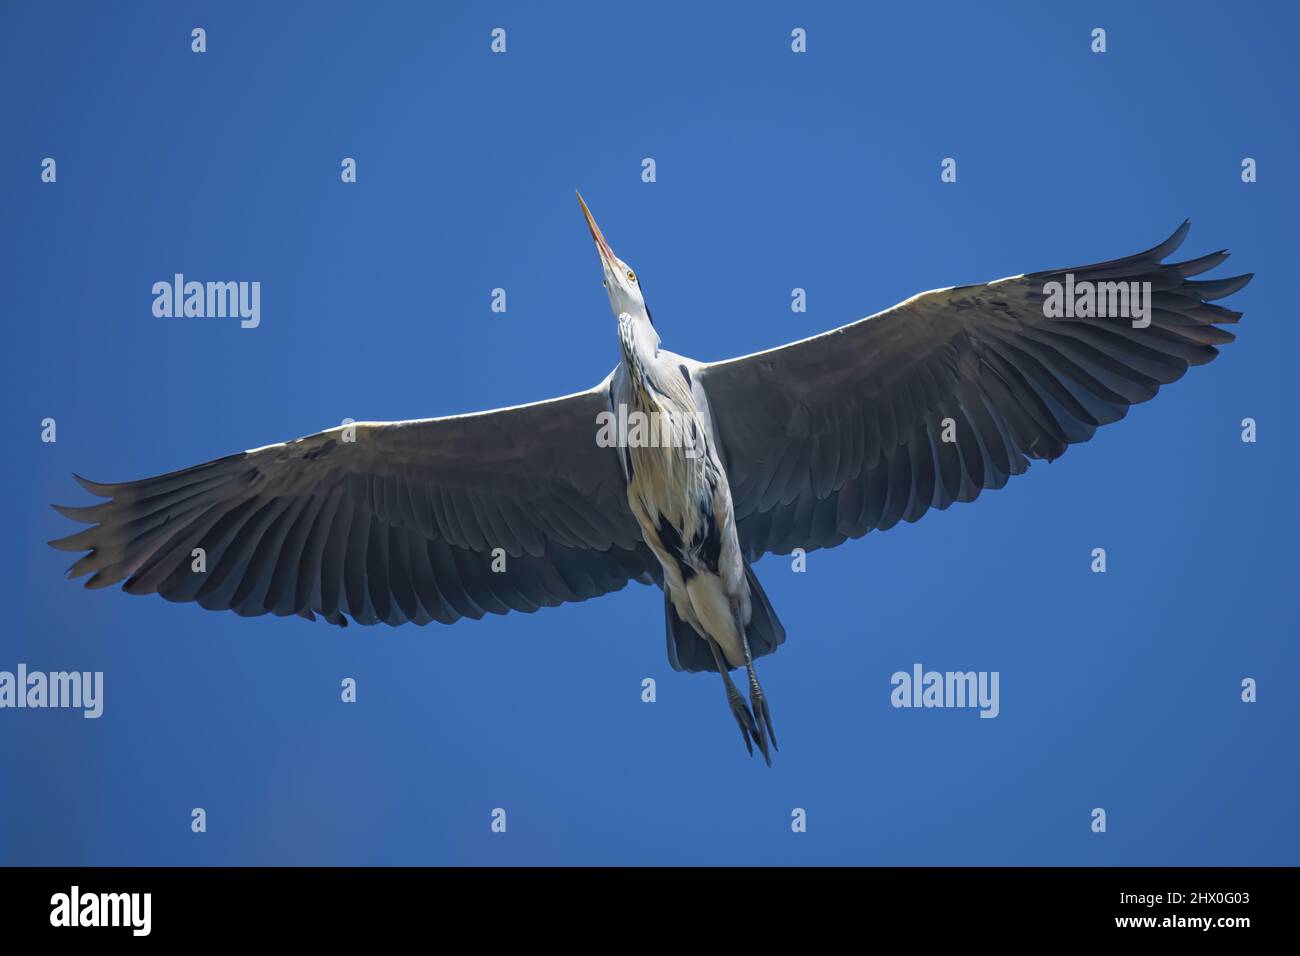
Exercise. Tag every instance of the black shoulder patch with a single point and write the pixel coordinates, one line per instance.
(686, 374)
(672, 542)
(711, 548)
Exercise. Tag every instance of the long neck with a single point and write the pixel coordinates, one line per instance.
(639, 344)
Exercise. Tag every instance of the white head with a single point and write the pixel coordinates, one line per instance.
(621, 282)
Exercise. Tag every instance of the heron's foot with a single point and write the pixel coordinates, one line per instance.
(762, 713)
(758, 703)
(740, 710)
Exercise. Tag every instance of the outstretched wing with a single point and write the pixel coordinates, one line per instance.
(387, 522)
(836, 435)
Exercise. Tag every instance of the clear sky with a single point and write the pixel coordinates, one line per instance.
(774, 170)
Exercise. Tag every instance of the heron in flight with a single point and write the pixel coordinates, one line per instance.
(804, 446)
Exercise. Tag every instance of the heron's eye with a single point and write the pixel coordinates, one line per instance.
(631, 276)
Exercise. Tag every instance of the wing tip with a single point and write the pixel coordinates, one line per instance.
(99, 489)
(1170, 245)
(62, 544)
(75, 512)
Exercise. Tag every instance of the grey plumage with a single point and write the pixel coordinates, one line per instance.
(805, 446)
(838, 435)
(396, 525)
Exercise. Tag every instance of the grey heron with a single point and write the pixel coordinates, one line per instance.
(932, 401)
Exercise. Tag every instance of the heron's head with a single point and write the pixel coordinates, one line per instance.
(621, 282)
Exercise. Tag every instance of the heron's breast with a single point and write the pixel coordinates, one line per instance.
(674, 500)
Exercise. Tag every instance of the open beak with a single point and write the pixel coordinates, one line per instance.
(606, 253)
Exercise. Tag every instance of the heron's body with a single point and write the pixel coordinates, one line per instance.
(678, 492)
(800, 447)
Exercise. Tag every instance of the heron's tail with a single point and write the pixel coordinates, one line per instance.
(687, 651)
(764, 631)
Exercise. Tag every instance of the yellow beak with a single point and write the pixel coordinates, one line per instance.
(602, 246)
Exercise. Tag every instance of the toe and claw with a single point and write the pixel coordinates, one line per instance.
(755, 717)
(740, 710)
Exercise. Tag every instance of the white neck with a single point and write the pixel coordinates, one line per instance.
(639, 342)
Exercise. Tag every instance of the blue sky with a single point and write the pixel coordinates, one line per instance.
(774, 170)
